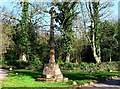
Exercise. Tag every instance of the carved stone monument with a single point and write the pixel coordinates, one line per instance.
(51, 71)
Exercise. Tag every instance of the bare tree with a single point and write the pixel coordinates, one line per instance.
(96, 11)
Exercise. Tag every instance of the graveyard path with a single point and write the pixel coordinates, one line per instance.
(112, 83)
(3, 74)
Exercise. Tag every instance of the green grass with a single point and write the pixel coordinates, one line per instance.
(27, 78)
(75, 75)
(27, 81)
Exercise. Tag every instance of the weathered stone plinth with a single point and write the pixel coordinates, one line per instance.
(52, 70)
(52, 73)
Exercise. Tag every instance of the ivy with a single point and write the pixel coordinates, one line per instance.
(65, 19)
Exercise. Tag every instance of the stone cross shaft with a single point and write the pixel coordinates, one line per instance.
(52, 52)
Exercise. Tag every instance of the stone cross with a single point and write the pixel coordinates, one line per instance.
(51, 71)
(52, 52)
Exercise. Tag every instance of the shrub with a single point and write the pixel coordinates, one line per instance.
(3, 64)
(14, 63)
(90, 67)
(69, 65)
(21, 64)
(35, 63)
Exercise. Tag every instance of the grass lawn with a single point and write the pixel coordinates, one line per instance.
(26, 78)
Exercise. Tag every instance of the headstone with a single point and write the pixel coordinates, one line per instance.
(74, 83)
(23, 57)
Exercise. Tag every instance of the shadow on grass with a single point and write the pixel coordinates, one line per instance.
(78, 76)
(100, 76)
(73, 75)
(33, 73)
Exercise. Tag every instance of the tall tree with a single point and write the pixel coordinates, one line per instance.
(118, 35)
(93, 9)
(107, 36)
(96, 12)
(65, 19)
(23, 41)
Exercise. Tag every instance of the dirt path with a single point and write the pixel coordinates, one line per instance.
(2, 74)
(113, 83)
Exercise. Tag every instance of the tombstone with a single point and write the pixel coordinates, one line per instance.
(23, 57)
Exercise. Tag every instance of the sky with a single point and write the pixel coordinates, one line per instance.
(114, 9)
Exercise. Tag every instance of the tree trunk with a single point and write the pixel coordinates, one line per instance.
(110, 58)
(96, 56)
(94, 18)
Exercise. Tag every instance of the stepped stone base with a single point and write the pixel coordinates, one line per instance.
(52, 73)
(52, 79)
(52, 70)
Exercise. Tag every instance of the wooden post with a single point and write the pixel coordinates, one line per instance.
(52, 52)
